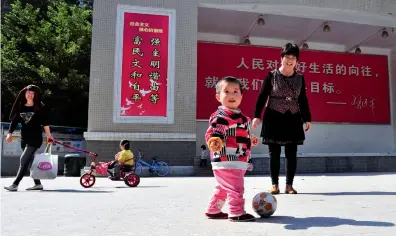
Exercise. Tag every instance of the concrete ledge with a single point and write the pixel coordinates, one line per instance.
(332, 164)
(319, 164)
(175, 153)
(341, 154)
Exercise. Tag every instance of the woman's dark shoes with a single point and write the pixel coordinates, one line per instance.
(274, 189)
(290, 190)
(12, 188)
(36, 187)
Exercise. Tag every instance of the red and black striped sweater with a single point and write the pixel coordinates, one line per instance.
(233, 128)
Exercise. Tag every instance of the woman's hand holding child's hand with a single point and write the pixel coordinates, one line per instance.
(250, 167)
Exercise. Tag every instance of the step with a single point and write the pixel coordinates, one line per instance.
(174, 171)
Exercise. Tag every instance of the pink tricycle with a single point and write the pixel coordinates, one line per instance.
(87, 180)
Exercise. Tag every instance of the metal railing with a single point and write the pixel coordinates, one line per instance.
(70, 135)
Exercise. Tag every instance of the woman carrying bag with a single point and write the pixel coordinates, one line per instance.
(29, 110)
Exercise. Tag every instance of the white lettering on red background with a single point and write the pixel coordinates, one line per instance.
(312, 67)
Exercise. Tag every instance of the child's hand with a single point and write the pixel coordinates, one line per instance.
(215, 144)
(250, 167)
(254, 139)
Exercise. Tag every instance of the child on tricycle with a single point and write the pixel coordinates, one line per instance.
(123, 159)
(123, 165)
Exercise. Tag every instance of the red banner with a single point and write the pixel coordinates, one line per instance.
(144, 65)
(341, 87)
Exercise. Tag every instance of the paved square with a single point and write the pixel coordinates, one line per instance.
(345, 204)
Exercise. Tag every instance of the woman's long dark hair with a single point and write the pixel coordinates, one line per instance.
(21, 100)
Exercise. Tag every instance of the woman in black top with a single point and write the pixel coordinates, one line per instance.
(286, 111)
(29, 111)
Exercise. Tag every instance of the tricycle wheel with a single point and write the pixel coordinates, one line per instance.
(87, 180)
(132, 180)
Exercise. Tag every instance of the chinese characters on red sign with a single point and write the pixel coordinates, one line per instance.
(144, 65)
(341, 87)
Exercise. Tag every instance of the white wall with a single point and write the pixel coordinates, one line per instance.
(329, 139)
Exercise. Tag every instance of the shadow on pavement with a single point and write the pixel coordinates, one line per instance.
(327, 174)
(373, 193)
(142, 187)
(293, 223)
(75, 191)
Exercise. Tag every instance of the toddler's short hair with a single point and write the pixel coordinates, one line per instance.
(228, 79)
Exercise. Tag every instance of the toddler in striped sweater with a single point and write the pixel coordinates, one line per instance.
(230, 141)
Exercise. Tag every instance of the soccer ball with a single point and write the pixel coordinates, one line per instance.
(264, 204)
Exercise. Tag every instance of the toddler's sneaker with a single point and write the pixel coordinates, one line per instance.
(243, 218)
(217, 216)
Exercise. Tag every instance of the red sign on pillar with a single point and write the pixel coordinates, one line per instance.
(341, 87)
(144, 74)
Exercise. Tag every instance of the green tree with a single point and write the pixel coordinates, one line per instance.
(48, 43)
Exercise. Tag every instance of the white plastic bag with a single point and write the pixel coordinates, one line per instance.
(45, 165)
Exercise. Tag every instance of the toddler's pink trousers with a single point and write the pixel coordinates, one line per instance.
(231, 187)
